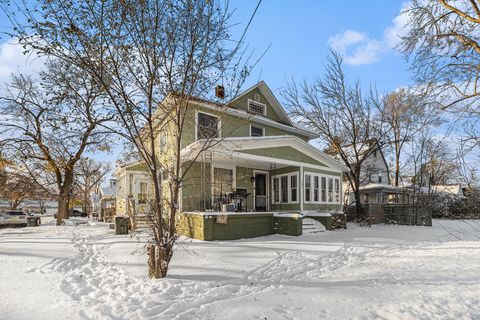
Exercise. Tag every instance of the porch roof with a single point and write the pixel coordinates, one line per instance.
(382, 187)
(257, 150)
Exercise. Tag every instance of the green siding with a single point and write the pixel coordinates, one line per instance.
(238, 226)
(306, 169)
(287, 153)
(242, 104)
(321, 206)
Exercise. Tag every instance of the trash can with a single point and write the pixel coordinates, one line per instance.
(33, 221)
(121, 225)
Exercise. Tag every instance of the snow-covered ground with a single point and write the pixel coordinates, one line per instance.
(383, 272)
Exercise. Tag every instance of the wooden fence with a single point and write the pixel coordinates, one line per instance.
(403, 214)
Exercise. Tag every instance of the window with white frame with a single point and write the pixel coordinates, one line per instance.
(316, 189)
(324, 189)
(284, 186)
(293, 188)
(308, 187)
(257, 131)
(320, 188)
(207, 126)
(330, 190)
(257, 107)
(337, 190)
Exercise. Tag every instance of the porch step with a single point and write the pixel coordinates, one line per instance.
(311, 226)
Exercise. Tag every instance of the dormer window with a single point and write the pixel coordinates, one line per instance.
(257, 107)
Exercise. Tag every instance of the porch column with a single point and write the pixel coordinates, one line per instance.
(301, 189)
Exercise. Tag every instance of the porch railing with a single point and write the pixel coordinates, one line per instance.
(234, 202)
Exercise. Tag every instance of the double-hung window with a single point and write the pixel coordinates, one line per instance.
(324, 189)
(284, 186)
(330, 190)
(293, 188)
(207, 126)
(308, 187)
(337, 190)
(315, 189)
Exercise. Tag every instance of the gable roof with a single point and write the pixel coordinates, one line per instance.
(236, 147)
(271, 99)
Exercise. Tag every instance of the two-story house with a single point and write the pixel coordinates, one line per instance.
(261, 160)
(375, 184)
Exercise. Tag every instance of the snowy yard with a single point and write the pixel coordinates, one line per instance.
(386, 272)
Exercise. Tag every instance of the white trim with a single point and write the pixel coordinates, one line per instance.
(258, 103)
(301, 193)
(289, 187)
(257, 118)
(258, 127)
(270, 97)
(267, 179)
(219, 123)
(327, 177)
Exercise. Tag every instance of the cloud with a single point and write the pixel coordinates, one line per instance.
(13, 60)
(358, 48)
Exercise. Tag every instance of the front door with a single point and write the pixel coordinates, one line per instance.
(260, 192)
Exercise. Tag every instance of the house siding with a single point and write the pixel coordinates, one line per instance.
(287, 153)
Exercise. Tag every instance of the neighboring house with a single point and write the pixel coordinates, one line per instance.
(260, 162)
(375, 184)
(132, 188)
(455, 190)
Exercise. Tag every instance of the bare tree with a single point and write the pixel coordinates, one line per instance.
(150, 58)
(50, 124)
(341, 115)
(443, 45)
(89, 174)
(405, 113)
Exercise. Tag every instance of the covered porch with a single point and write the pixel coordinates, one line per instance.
(385, 194)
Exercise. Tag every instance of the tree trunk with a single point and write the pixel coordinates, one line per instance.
(158, 260)
(62, 211)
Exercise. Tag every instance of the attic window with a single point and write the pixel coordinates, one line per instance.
(256, 107)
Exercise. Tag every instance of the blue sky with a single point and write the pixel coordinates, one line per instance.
(300, 34)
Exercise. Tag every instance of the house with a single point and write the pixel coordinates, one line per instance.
(375, 184)
(260, 161)
(132, 186)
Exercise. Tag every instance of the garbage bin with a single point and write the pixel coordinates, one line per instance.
(121, 225)
(33, 221)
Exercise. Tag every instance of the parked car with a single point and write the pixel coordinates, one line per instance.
(14, 218)
(74, 213)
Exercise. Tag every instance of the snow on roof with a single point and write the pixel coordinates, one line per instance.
(455, 189)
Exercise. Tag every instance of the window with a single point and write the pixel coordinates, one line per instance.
(275, 190)
(315, 189)
(293, 188)
(256, 132)
(142, 194)
(324, 189)
(222, 181)
(330, 190)
(284, 186)
(207, 126)
(163, 141)
(256, 107)
(337, 190)
(308, 185)
(379, 179)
